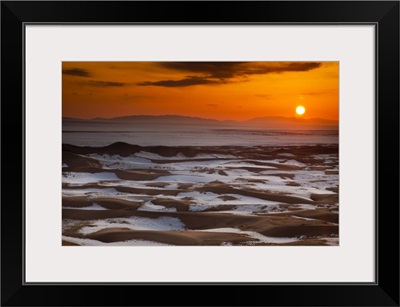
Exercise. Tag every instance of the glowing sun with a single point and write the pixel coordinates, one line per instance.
(300, 110)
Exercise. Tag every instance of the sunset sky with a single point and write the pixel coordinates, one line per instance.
(217, 90)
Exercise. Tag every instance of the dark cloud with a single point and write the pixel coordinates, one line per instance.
(76, 72)
(218, 70)
(106, 83)
(284, 67)
(179, 83)
(224, 70)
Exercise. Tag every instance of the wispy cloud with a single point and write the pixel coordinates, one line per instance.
(76, 72)
(106, 83)
(179, 83)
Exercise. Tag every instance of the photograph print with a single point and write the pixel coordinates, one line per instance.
(200, 154)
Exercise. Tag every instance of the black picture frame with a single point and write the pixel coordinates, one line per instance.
(383, 14)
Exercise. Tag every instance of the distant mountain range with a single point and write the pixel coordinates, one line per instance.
(267, 122)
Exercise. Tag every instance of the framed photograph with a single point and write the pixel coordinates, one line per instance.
(184, 163)
(240, 146)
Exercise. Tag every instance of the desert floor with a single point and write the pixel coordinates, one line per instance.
(125, 194)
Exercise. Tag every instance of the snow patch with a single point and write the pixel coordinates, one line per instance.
(305, 206)
(154, 156)
(152, 207)
(216, 156)
(89, 192)
(254, 235)
(303, 218)
(287, 162)
(118, 162)
(135, 223)
(95, 206)
(90, 242)
(83, 178)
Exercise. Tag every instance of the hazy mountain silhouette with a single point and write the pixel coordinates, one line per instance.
(267, 122)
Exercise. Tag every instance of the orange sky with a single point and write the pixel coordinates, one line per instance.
(218, 90)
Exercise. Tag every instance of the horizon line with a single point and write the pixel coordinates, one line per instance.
(196, 117)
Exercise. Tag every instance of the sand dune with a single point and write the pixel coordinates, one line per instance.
(188, 195)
